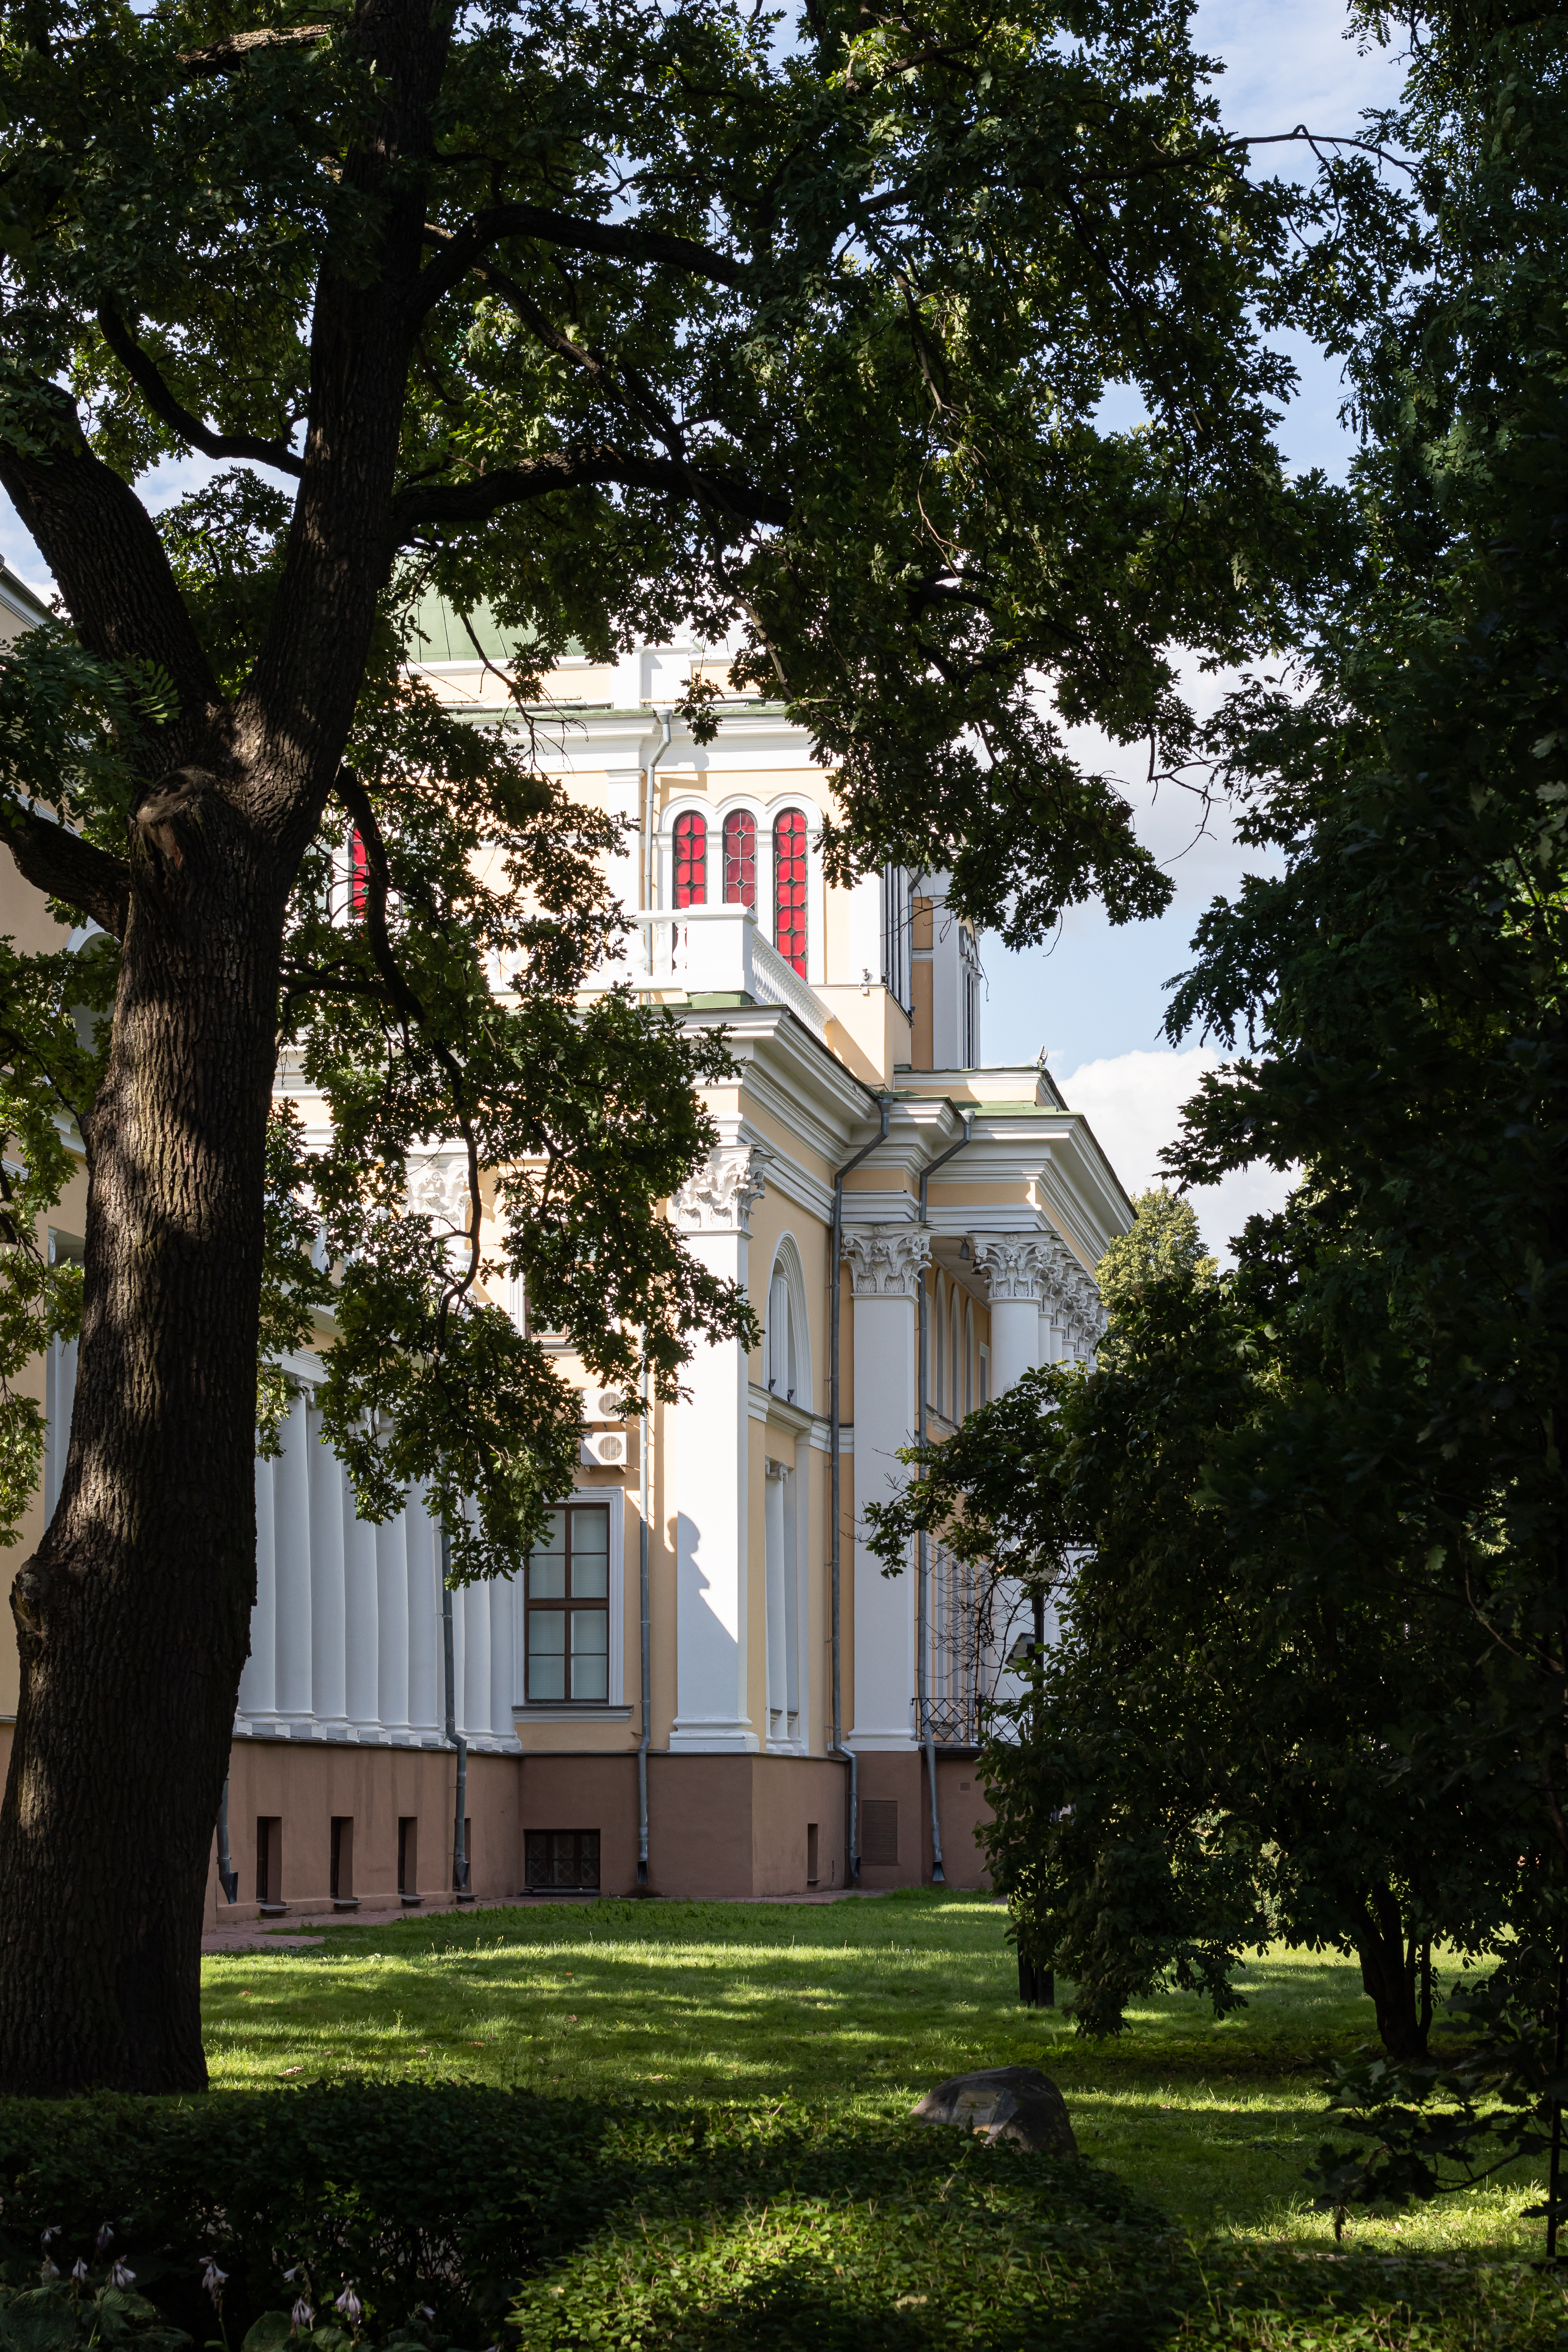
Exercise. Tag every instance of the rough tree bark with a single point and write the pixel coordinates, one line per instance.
(133, 1614)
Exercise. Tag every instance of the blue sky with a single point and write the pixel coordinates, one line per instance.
(1094, 1001)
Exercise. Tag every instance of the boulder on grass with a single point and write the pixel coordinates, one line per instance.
(1015, 2104)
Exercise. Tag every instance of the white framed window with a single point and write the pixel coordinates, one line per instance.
(570, 1624)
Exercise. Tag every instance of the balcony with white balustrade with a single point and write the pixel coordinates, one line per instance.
(710, 954)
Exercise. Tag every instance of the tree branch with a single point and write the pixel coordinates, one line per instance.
(99, 542)
(571, 470)
(228, 56)
(461, 248)
(58, 862)
(143, 374)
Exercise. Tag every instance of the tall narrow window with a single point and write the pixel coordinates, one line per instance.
(359, 874)
(740, 858)
(569, 1607)
(690, 859)
(789, 888)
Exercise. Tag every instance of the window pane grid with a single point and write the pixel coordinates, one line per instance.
(740, 858)
(789, 888)
(691, 860)
(568, 1613)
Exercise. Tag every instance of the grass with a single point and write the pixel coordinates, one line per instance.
(859, 2007)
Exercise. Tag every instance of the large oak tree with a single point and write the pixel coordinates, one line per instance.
(616, 316)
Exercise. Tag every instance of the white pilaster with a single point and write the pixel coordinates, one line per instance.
(712, 1443)
(887, 1264)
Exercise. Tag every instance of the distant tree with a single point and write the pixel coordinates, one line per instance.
(1200, 1763)
(612, 319)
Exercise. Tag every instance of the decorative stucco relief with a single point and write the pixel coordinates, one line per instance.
(721, 1196)
(885, 1261)
(1018, 1266)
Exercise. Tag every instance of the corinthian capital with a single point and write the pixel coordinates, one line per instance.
(885, 1261)
(721, 1196)
(1018, 1265)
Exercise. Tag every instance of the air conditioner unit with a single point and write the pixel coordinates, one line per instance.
(605, 1449)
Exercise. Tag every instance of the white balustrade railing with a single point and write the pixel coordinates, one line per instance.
(719, 951)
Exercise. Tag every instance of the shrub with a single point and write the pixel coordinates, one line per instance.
(445, 2205)
(438, 2194)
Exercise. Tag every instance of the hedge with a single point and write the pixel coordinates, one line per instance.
(465, 2216)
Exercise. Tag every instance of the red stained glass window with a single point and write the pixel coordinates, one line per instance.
(359, 872)
(740, 858)
(789, 888)
(691, 860)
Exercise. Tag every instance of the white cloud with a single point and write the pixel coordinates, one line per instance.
(1133, 1103)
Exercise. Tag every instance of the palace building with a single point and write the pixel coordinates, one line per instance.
(703, 1682)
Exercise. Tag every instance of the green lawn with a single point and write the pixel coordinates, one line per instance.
(861, 2006)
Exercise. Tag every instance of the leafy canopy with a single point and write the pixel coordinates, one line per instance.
(615, 321)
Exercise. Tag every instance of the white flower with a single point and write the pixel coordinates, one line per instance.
(119, 2276)
(79, 2271)
(301, 2314)
(293, 2273)
(105, 2237)
(428, 2309)
(47, 2269)
(213, 2278)
(349, 2303)
(48, 2234)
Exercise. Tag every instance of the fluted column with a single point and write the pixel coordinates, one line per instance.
(361, 1615)
(392, 1624)
(328, 1631)
(258, 1683)
(426, 1708)
(887, 1264)
(503, 1656)
(712, 1212)
(291, 1556)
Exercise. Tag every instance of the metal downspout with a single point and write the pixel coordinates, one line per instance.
(454, 1738)
(666, 720)
(227, 1876)
(922, 1580)
(835, 1255)
(643, 1439)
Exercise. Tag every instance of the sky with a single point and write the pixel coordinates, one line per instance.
(1094, 1001)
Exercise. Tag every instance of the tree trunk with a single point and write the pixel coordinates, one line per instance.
(1396, 1975)
(134, 1614)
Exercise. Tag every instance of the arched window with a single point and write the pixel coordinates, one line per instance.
(690, 859)
(789, 888)
(936, 1387)
(740, 858)
(359, 874)
(779, 1354)
(954, 1362)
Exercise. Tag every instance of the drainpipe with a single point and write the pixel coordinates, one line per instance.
(923, 1578)
(844, 1755)
(454, 1737)
(646, 1629)
(666, 719)
(227, 1876)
